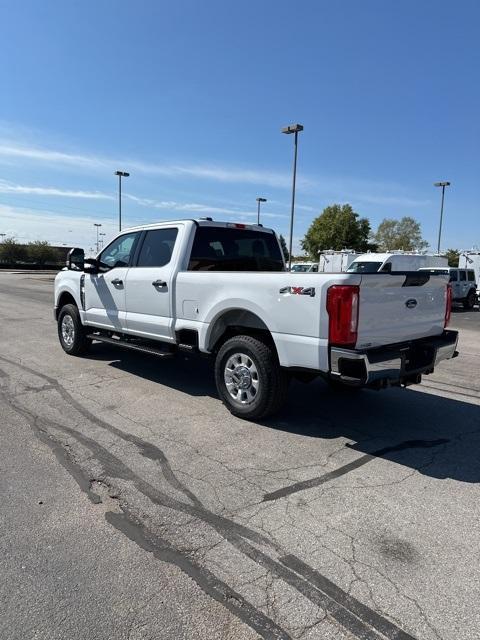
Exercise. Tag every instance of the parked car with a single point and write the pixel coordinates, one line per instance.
(462, 281)
(471, 260)
(222, 289)
(304, 267)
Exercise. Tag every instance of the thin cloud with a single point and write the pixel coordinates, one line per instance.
(324, 188)
(10, 188)
(26, 224)
(11, 151)
(18, 189)
(195, 207)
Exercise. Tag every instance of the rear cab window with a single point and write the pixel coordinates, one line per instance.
(471, 276)
(234, 249)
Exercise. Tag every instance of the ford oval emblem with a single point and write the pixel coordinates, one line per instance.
(411, 303)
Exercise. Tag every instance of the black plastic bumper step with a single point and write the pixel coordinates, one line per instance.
(133, 346)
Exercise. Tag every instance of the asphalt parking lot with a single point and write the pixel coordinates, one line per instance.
(135, 506)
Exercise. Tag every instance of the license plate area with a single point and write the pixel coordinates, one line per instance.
(418, 357)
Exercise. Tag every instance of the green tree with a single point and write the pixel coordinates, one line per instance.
(283, 244)
(337, 227)
(40, 252)
(452, 256)
(11, 251)
(404, 234)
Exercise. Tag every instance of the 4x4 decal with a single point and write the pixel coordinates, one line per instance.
(299, 291)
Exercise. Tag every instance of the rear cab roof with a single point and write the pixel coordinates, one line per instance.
(201, 222)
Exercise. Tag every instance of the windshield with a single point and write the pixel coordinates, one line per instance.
(364, 267)
(226, 249)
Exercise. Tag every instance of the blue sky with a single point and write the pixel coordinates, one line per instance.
(190, 96)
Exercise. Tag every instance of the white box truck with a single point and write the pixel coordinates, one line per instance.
(336, 261)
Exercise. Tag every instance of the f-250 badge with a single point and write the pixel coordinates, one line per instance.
(299, 291)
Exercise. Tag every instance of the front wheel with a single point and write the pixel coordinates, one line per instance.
(249, 378)
(71, 332)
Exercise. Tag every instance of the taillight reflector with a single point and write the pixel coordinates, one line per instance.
(448, 305)
(342, 307)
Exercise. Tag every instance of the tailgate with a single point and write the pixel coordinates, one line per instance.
(396, 308)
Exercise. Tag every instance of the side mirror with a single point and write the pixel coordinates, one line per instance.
(91, 265)
(75, 259)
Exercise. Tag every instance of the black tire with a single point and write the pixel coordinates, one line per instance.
(470, 300)
(71, 333)
(255, 401)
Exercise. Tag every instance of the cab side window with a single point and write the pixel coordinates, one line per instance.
(471, 276)
(119, 253)
(453, 276)
(463, 276)
(157, 248)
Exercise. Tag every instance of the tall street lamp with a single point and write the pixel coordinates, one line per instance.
(120, 174)
(101, 239)
(259, 200)
(98, 225)
(443, 185)
(293, 128)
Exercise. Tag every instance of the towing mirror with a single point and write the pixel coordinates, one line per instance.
(75, 259)
(91, 265)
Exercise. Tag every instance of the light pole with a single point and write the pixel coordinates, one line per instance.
(98, 225)
(293, 128)
(259, 200)
(101, 239)
(120, 174)
(443, 185)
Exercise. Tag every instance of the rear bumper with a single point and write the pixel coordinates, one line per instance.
(400, 364)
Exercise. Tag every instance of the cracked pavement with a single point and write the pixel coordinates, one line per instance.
(135, 506)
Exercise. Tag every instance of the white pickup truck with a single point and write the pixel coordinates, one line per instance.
(222, 289)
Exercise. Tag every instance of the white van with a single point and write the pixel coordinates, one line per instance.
(399, 261)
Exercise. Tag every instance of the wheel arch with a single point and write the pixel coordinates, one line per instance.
(65, 297)
(236, 321)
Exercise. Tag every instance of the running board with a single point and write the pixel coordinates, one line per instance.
(125, 344)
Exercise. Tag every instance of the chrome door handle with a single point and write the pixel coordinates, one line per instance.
(159, 283)
(117, 282)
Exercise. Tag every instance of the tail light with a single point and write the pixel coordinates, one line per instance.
(342, 307)
(448, 305)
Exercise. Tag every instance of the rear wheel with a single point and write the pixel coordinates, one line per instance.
(249, 378)
(71, 332)
(470, 300)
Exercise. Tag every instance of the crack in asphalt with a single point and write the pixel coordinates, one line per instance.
(360, 620)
